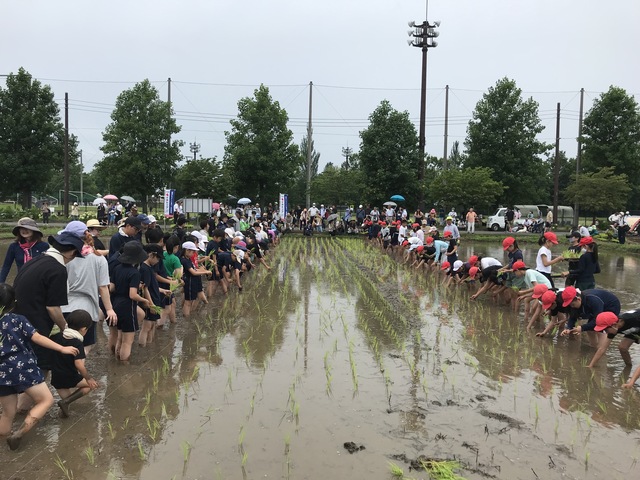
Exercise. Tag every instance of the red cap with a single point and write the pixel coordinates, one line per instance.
(445, 265)
(585, 241)
(448, 233)
(547, 299)
(551, 237)
(429, 240)
(507, 242)
(519, 265)
(405, 243)
(539, 290)
(605, 320)
(473, 259)
(414, 225)
(568, 295)
(473, 271)
(420, 248)
(382, 224)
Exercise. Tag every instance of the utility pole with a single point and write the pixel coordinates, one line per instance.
(423, 38)
(66, 155)
(195, 148)
(81, 179)
(446, 127)
(556, 169)
(576, 206)
(309, 146)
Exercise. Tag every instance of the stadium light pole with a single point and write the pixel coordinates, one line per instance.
(423, 36)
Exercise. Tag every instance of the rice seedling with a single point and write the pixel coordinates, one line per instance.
(125, 423)
(153, 426)
(141, 453)
(396, 471)
(112, 432)
(442, 469)
(90, 453)
(186, 450)
(67, 472)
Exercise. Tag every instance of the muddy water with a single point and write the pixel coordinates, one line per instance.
(338, 343)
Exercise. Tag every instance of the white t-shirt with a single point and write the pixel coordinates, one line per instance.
(402, 233)
(86, 275)
(487, 262)
(414, 242)
(539, 265)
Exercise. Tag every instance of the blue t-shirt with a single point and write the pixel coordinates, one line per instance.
(148, 277)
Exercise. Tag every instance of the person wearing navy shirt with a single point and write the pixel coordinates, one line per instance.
(127, 232)
(587, 305)
(28, 245)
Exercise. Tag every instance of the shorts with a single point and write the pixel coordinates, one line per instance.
(127, 317)
(64, 381)
(192, 286)
(151, 316)
(168, 300)
(6, 390)
(90, 336)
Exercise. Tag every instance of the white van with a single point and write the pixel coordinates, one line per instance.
(498, 222)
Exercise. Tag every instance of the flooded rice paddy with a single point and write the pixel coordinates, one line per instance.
(339, 343)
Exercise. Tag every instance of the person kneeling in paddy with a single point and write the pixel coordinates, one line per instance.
(69, 371)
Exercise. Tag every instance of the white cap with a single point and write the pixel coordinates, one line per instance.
(189, 246)
(229, 231)
(457, 265)
(238, 234)
(360, 206)
(152, 219)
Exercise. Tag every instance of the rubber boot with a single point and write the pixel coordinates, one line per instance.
(64, 404)
(15, 439)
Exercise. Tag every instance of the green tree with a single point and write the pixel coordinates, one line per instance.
(260, 149)
(337, 186)
(389, 157)
(502, 136)
(139, 160)
(611, 137)
(599, 192)
(298, 191)
(31, 137)
(467, 187)
(200, 177)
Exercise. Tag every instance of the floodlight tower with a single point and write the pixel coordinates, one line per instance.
(195, 148)
(423, 36)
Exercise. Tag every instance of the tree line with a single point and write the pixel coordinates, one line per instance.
(502, 162)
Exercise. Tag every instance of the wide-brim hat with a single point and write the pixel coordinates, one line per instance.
(28, 223)
(133, 253)
(93, 223)
(67, 238)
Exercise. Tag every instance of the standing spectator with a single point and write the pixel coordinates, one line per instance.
(549, 219)
(75, 212)
(361, 214)
(27, 245)
(46, 213)
(450, 227)
(375, 215)
(390, 214)
(471, 221)
(509, 216)
(102, 212)
(177, 210)
(118, 212)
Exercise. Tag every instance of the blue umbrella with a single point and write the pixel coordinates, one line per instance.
(397, 198)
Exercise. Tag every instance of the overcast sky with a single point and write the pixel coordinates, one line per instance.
(354, 51)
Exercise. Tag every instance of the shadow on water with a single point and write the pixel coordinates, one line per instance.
(340, 343)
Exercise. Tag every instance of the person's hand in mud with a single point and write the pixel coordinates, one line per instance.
(574, 331)
(92, 384)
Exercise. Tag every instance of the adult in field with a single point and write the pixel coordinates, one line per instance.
(27, 245)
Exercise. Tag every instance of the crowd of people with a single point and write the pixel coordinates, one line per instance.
(65, 286)
(557, 300)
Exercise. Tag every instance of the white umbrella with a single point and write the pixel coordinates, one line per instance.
(244, 201)
(127, 198)
(99, 200)
(390, 204)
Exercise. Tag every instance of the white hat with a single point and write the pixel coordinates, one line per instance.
(457, 265)
(189, 246)
(229, 231)
(238, 234)
(151, 219)
(360, 206)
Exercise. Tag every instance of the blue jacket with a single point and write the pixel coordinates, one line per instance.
(15, 253)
